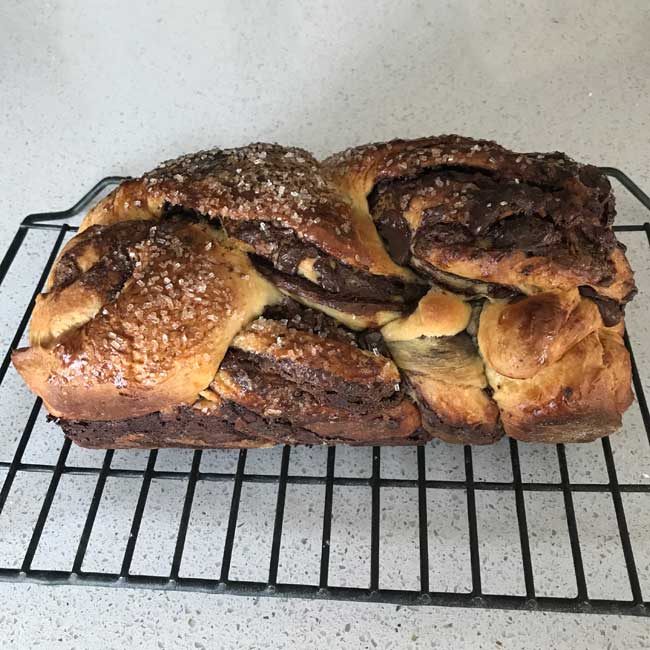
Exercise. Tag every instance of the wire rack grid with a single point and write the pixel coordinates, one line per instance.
(419, 488)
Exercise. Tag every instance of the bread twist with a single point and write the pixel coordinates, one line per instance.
(440, 287)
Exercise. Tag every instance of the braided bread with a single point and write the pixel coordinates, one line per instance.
(441, 287)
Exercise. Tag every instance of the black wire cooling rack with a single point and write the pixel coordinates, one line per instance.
(422, 489)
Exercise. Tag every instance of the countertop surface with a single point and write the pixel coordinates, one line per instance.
(89, 89)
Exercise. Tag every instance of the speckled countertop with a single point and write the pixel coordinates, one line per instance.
(89, 89)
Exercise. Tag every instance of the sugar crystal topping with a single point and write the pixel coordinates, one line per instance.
(271, 338)
(264, 181)
(180, 291)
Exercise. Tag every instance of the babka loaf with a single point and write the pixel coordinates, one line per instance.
(441, 287)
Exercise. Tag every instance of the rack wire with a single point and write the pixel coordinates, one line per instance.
(424, 488)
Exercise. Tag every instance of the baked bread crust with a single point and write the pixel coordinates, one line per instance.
(440, 287)
(279, 204)
(159, 341)
(518, 339)
(525, 221)
(577, 399)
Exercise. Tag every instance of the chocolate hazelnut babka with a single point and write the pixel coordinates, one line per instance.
(441, 287)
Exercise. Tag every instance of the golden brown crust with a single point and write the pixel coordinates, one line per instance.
(519, 339)
(279, 204)
(557, 373)
(149, 333)
(130, 201)
(282, 186)
(457, 413)
(90, 271)
(160, 341)
(530, 274)
(439, 313)
(577, 399)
